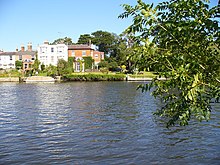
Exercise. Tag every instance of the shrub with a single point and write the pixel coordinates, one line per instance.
(94, 77)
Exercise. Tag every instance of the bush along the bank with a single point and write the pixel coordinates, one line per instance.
(94, 77)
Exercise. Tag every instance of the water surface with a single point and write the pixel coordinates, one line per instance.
(97, 123)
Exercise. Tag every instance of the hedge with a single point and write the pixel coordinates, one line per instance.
(94, 77)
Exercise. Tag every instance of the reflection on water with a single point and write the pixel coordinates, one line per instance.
(96, 123)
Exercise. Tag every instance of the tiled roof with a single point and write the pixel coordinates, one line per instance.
(79, 47)
(25, 53)
(7, 53)
(18, 53)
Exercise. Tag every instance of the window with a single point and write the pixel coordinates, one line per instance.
(52, 58)
(83, 52)
(32, 57)
(52, 49)
(96, 55)
(20, 57)
(73, 53)
(43, 49)
(10, 57)
(0, 57)
(78, 66)
(60, 49)
(25, 66)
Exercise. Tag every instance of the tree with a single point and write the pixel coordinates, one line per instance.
(36, 64)
(103, 64)
(84, 39)
(179, 40)
(42, 67)
(18, 64)
(70, 63)
(65, 40)
(63, 67)
(88, 61)
(51, 70)
(104, 40)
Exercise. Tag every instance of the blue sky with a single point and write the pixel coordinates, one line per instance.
(23, 21)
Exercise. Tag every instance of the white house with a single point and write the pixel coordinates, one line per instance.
(50, 54)
(7, 60)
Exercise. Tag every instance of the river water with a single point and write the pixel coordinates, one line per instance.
(97, 123)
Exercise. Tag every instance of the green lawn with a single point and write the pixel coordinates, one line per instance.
(144, 75)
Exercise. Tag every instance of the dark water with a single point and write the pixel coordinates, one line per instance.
(96, 123)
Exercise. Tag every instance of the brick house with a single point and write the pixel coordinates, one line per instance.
(80, 51)
(26, 56)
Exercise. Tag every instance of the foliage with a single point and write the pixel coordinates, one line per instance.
(18, 64)
(63, 67)
(42, 67)
(70, 63)
(113, 66)
(51, 70)
(94, 77)
(179, 40)
(65, 40)
(36, 65)
(116, 48)
(104, 70)
(84, 39)
(103, 64)
(88, 61)
(10, 73)
(104, 40)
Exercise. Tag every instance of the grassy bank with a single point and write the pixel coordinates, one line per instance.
(144, 75)
(93, 77)
(12, 73)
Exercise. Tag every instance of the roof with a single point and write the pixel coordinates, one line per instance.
(18, 53)
(80, 47)
(25, 53)
(7, 53)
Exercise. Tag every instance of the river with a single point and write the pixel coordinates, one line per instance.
(97, 123)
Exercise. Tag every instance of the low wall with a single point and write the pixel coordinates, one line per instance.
(128, 78)
(9, 79)
(35, 79)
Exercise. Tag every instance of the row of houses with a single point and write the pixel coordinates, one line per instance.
(49, 54)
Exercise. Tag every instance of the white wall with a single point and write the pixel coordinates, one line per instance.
(7, 61)
(50, 54)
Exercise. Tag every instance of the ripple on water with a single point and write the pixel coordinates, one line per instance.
(96, 123)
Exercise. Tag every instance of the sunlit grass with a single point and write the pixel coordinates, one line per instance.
(144, 75)
(12, 73)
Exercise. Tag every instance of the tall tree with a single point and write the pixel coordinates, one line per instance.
(179, 39)
(104, 40)
(36, 64)
(85, 39)
(65, 40)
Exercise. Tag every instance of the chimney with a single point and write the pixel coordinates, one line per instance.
(29, 46)
(90, 42)
(22, 48)
(46, 42)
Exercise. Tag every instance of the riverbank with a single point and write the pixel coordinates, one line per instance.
(82, 77)
(94, 77)
(9, 79)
